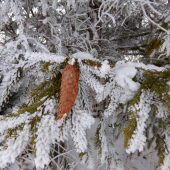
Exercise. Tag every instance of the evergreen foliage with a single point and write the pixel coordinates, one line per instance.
(156, 87)
(119, 97)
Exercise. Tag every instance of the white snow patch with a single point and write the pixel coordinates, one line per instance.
(105, 68)
(82, 56)
(126, 71)
(60, 121)
(71, 61)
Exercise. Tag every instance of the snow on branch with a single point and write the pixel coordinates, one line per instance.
(165, 165)
(10, 84)
(104, 145)
(14, 121)
(152, 21)
(81, 120)
(90, 80)
(125, 71)
(104, 11)
(102, 71)
(141, 110)
(15, 146)
(166, 44)
(33, 58)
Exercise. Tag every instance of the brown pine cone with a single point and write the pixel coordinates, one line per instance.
(69, 89)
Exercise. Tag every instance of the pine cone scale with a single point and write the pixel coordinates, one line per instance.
(69, 89)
